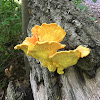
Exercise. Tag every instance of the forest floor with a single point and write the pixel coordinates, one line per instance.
(15, 72)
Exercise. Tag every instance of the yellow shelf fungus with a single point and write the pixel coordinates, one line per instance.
(44, 43)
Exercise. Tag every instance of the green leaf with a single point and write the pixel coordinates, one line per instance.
(82, 7)
(94, 1)
(2, 68)
(92, 18)
(2, 84)
(1, 49)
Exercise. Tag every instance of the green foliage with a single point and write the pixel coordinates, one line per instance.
(2, 84)
(78, 1)
(93, 18)
(82, 7)
(10, 29)
(94, 1)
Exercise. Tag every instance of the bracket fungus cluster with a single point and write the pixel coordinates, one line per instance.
(45, 42)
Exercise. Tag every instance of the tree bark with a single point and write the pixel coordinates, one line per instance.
(79, 82)
(16, 91)
(25, 17)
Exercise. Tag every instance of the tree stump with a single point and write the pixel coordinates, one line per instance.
(79, 82)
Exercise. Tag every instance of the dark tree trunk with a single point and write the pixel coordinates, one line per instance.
(25, 17)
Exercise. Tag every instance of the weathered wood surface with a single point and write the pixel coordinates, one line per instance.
(80, 82)
(16, 91)
(25, 17)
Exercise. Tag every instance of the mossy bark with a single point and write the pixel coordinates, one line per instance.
(79, 82)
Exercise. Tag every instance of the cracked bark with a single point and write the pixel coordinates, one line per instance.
(80, 82)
